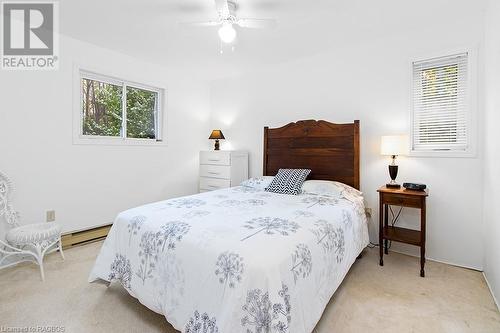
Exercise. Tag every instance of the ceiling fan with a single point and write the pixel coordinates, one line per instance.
(227, 19)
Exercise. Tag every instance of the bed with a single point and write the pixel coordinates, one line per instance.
(242, 259)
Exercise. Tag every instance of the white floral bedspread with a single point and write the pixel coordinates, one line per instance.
(235, 260)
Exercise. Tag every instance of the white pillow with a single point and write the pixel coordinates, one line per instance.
(328, 188)
(321, 187)
(349, 189)
(259, 183)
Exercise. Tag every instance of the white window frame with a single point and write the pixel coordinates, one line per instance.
(80, 138)
(472, 106)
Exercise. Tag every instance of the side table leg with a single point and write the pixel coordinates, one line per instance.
(386, 224)
(381, 232)
(422, 239)
(422, 261)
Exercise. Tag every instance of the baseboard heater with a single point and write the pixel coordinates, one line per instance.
(84, 236)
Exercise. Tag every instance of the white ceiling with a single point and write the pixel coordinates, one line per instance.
(149, 30)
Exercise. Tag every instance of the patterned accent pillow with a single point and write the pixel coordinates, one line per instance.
(288, 181)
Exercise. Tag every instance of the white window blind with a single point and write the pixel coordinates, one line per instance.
(441, 104)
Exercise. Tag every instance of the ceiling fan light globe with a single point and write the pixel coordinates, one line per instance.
(227, 34)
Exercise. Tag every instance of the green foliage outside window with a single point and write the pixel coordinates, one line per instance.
(140, 113)
(103, 115)
(102, 108)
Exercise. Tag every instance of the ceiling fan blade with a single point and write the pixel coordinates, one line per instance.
(257, 23)
(222, 8)
(200, 24)
(184, 7)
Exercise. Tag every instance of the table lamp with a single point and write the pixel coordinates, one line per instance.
(217, 135)
(393, 145)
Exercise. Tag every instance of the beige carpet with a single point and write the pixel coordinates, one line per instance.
(392, 298)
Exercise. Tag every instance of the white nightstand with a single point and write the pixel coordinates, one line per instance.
(222, 168)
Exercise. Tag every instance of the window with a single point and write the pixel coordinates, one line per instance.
(441, 107)
(116, 110)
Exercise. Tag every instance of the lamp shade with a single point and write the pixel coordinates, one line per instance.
(394, 145)
(217, 134)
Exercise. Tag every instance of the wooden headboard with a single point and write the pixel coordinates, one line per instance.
(330, 150)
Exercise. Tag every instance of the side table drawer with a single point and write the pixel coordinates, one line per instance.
(215, 171)
(213, 183)
(215, 157)
(401, 200)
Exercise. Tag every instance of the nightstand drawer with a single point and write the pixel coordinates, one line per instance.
(213, 183)
(401, 200)
(215, 157)
(215, 171)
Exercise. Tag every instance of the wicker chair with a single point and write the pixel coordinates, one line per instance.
(30, 242)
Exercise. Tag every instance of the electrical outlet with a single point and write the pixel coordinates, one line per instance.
(51, 215)
(368, 212)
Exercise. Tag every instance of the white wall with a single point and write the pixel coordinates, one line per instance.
(368, 81)
(491, 149)
(88, 185)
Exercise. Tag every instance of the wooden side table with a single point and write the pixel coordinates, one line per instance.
(403, 198)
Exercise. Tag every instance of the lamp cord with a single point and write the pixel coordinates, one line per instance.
(395, 219)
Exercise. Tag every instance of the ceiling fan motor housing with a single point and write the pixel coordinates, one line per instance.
(232, 6)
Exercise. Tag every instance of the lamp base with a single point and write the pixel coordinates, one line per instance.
(217, 146)
(393, 172)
